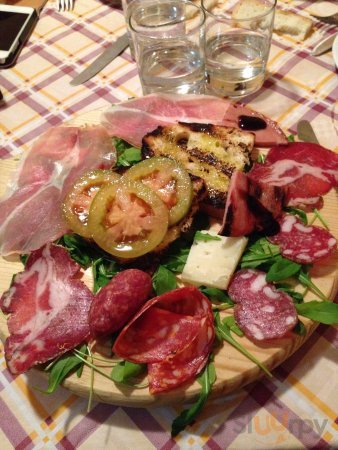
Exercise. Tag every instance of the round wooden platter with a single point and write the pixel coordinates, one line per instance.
(232, 368)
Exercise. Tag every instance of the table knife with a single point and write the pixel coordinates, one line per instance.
(305, 132)
(324, 45)
(110, 53)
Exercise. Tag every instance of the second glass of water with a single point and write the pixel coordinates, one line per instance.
(168, 37)
(238, 40)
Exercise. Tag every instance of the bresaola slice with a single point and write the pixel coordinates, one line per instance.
(305, 171)
(48, 307)
(251, 206)
(172, 333)
(132, 119)
(302, 243)
(261, 311)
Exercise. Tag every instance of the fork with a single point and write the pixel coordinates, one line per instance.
(64, 5)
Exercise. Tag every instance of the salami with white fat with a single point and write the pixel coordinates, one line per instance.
(261, 311)
(173, 334)
(302, 243)
(118, 301)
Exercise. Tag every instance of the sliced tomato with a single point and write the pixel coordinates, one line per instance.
(77, 203)
(127, 219)
(169, 180)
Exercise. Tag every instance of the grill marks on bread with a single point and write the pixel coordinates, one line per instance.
(206, 151)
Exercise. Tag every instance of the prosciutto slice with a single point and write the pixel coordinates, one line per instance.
(48, 309)
(133, 119)
(173, 333)
(30, 214)
(305, 171)
(251, 206)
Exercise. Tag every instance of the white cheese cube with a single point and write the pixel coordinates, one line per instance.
(212, 262)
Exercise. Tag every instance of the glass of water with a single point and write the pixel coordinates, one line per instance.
(168, 37)
(238, 40)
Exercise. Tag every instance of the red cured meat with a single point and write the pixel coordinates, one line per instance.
(262, 312)
(301, 243)
(48, 309)
(133, 119)
(306, 171)
(172, 331)
(118, 301)
(251, 206)
(30, 214)
(163, 376)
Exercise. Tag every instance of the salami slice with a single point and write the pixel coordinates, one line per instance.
(168, 374)
(262, 312)
(173, 333)
(301, 243)
(118, 301)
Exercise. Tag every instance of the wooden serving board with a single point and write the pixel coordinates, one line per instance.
(232, 368)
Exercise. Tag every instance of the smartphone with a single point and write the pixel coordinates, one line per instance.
(16, 24)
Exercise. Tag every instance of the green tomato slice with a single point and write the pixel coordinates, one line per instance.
(127, 219)
(76, 205)
(169, 180)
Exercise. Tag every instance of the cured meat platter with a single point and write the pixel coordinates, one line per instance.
(232, 368)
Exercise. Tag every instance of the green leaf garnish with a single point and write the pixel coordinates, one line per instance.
(216, 295)
(231, 323)
(282, 269)
(299, 328)
(127, 155)
(61, 368)
(188, 416)
(323, 312)
(125, 370)
(223, 332)
(291, 138)
(297, 212)
(199, 236)
(164, 280)
(176, 256)
(103, 271)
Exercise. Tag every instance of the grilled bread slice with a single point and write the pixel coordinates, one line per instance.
(210, 152)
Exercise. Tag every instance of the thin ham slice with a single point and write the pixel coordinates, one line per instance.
(172, 333)
(304, 170)
(30, 213)
(133, 119)
(251, 206)
(48, 307)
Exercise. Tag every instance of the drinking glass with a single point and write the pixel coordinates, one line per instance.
(168, 37)
(238, 40)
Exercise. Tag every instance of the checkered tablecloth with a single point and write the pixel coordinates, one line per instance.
(298, 408)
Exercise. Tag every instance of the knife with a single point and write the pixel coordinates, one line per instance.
(305, 132)
(110, 53)
(324, 45)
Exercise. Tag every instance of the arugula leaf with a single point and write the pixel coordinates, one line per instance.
(187, 416)
(23, 259)
(318, 216)
(79, 249)
(297, 212)
(125, 370)
(299, 328)
(305, 280)
(215, 294)
(176, 256)
(258, 253)
(127, 155)
(61, 368)
(291, 138)
(296, 296)
(282, 269)
(261, 158)
(164, 280)
(104, 270)
(231, 323)
(223, 332)
(323, 312)
(199, 236)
